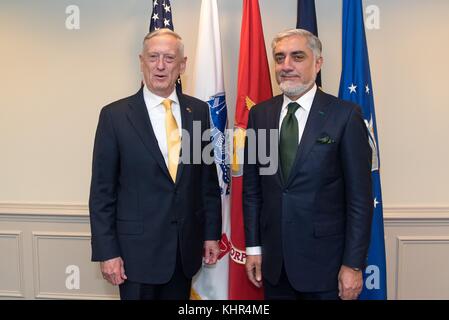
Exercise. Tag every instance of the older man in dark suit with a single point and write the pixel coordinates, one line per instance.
(152, 216)
(307, 226)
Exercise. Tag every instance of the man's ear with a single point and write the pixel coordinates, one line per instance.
(319, 64)
(141, 62)
(183, 65)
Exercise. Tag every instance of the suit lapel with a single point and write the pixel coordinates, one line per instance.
(274, 114)
(315, 122)
(139, 118)
(187, 122)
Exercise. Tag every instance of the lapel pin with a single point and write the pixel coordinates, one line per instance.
(188, 109)
(322, 113)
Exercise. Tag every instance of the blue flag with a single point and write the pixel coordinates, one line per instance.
(306, 19)
(355, 86)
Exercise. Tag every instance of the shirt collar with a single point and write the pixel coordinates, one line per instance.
(152, 100)
(305, 101)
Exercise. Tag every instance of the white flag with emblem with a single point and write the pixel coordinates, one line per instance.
(211, 282)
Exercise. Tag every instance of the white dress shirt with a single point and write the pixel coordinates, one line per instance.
(156, 111)
(302, 114)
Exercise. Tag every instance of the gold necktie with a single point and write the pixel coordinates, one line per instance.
(173, 139)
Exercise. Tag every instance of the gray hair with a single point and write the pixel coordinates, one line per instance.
(163, 32)
(312, 41)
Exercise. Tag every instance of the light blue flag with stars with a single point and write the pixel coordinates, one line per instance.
(355, 86)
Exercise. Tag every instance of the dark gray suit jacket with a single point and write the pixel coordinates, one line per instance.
(320, 218)
(136, 211)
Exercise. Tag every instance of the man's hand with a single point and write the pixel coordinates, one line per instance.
(113, 271)
(350, 283)
(211, 251)
(254, 269)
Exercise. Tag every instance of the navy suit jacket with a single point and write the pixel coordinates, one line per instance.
(320, 218)
(136, 211)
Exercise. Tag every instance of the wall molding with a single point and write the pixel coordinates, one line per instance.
(44, 212)
(38, 294)
(408, 216)
(36, 237)
(57, 296)
(39, 208)
(416, 212)
(82, 210)
(17, 235)
(401, 243)
(409, 223)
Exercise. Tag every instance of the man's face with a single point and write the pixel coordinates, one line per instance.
(295, 66)
(161, 63)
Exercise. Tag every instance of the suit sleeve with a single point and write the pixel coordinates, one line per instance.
(252, 193)
(103, 191)
(211, 192)
(356, 157)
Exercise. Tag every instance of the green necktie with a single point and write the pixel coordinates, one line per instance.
(288, 143)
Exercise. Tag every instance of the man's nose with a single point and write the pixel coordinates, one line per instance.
(287, 64)
(160, 63)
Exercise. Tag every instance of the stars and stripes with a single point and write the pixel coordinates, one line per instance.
(161, 16)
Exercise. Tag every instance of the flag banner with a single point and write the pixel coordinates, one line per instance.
(161, 17)
(253, 86)
(211, 282)
(355, 86)
(306, 19)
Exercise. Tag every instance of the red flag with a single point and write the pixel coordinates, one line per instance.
(254, 86)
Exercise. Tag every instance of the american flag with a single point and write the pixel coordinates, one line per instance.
(161, 15)
(161, 18)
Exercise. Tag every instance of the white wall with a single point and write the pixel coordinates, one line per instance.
(54, 81)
